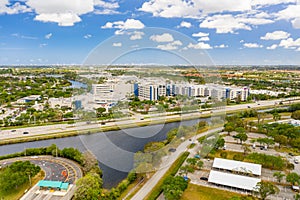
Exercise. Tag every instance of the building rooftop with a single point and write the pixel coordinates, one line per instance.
(239, 166)
(233, 180)
(53, 184)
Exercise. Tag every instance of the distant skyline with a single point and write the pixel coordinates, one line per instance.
(220, 32)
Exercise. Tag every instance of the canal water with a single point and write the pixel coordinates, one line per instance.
(113, 149)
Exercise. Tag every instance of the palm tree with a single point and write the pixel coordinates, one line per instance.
(279, 176)
(246, 148)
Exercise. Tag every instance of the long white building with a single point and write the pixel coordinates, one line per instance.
(150, 91)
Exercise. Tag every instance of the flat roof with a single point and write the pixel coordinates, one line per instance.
(53, 184)
(234, 165)
(233, 180)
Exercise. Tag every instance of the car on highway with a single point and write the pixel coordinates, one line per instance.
(25, 132)
(13, 130)
(296, 161)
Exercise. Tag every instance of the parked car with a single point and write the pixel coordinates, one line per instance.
(296, 161)
(197, 156)
(172, 150)
(204, 178)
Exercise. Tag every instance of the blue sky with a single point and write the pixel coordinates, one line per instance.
(231, 32)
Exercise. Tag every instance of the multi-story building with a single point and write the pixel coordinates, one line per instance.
(111, 92)
(103, 93)
(150, 91)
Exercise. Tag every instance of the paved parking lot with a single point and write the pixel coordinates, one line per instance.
(286, 192)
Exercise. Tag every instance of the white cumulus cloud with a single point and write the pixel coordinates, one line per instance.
(136, 35)
(170, 46)
(200, 34)
(7, 7)
(125, 25)
(192, 8)
(229, 23)
(117, 44)
(87, 36)
(66, 12)
(165, 37)
(200, 45)
(185, 24)
(252, 45)
(272, 47)
(270, 2)
(221, 46)
(276, 35)
(203, 39)
(290, 43)
(62, 12)
(48, 36)
(292, 12)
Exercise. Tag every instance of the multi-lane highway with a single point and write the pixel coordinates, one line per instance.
(58, 128)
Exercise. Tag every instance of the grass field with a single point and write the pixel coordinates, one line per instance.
(205, 193)
(18, 193)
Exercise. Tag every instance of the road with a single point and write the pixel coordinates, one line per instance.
(80, 126)
(144, 191)
(53, 168)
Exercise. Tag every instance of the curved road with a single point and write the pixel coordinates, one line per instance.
(53, 168)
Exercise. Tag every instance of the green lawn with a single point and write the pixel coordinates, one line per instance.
(205, 193)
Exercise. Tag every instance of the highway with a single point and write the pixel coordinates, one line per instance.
(161, 118)
(144, 191)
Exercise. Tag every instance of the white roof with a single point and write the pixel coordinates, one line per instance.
(234, 165)
(233, 180)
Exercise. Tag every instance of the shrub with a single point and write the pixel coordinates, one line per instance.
(238, 157)
(223, 154)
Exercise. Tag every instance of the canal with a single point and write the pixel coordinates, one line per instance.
(113, 149)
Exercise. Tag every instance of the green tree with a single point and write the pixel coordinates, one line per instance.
(89, 187)
(192, 161)
(242, 137)
(276, 116)
(229, 127)
(279, 176)
(281, 140)
(265, 189)
(220, 143)
(293, 178)
(173, 187)
(246, 149)
(186, 169)
(199, 164)
(297, 196)
(296, 115)
(266, 141)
